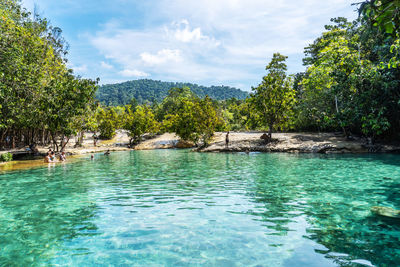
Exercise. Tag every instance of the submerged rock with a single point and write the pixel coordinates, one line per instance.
(386, 212)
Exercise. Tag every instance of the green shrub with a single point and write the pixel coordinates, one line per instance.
(6, 157)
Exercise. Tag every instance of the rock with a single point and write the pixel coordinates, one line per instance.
(184, 144)
(386, 212)
(264, 137)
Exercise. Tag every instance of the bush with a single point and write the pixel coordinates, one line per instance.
(6, 157)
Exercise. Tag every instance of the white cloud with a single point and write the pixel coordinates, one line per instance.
(161, 57)
(105, 65)
(133, 73)
(185, 34)
(224, 42)
(79, 69)
(182, 31)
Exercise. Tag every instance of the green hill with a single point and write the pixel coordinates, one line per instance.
(146, 90)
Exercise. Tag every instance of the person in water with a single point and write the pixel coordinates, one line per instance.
(53, 156)
(47, 159)
(62, 156)
(107, 152)
(227, 139)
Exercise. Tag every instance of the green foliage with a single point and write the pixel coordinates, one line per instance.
(385, 15)
(382, 13)
(6, 157)
(139, 121)
(274, 98)
(150, 91)
(108, 121)
(172, 101)
(351, 84)
(191, 118)
(374, 124)
(38, 93)
(345, 86)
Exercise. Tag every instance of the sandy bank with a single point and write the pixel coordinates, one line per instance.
(294, 143)
(164, 141)
(285, 142)
(239, 142)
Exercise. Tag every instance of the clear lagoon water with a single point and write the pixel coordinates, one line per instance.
(179, 208)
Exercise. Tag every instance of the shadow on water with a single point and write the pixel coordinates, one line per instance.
(339, 198)
(335, 193)
(281, 199)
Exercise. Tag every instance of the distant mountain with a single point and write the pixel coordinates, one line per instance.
(146, 90)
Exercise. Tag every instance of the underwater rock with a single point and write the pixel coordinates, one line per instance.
(386, 211)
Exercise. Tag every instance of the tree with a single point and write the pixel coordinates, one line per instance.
(208, 120)
(108, 122)
(274, 98)
(70, 99)
(191, 118)
(172, 101)
(382, 13)
(40, 98)
(385, 15)
(146, 90)
(345, 87)
(138, 122)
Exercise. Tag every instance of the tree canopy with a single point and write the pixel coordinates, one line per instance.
(40, 98)
(150, 91)
(274, 98)
(351, 84)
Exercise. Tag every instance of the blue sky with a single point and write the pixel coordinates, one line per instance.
(209, 42)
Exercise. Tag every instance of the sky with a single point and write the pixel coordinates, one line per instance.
(208, 42)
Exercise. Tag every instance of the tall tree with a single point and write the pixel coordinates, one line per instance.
(274, 98)
(139, 121)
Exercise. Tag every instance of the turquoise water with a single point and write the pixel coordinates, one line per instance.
(177, 208)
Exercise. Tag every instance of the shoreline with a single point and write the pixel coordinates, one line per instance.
(322, 143)
(38, 161)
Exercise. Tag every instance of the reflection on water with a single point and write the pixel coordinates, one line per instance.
(176, 208)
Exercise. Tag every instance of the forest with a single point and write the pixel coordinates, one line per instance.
(149, 91)
(351, 85)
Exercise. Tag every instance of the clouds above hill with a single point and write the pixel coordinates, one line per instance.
(204, 41)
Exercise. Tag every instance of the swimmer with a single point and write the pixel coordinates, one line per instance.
(53, 156)
(47, 158)
(62, 156)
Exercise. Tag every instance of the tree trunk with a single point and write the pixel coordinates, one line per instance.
(13, 139)
(270, 131)
(64, 144)
(32, 137)
(82, 133)
(43, 132)
(79, 139)
(54, 141)
(2, 141)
